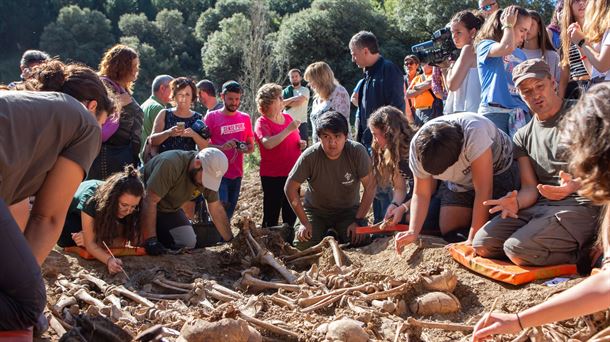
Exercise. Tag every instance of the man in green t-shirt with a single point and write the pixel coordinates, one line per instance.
(172, 178)
(334, 168)
(159, 98)
(546, 222)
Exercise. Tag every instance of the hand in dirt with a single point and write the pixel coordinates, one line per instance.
(355, 239)
(114, 265)
(78, 239)
(153, 246)
(498, 323)
(507, 204)
(304, 232)
(402, 239)
(566, 187)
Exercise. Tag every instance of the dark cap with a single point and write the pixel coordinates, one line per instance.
(231, 86)
(531, 68)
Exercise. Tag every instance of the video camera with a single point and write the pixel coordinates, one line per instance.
(201, 128)
(437, 50)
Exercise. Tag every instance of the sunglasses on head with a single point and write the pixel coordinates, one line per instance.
(488, 7)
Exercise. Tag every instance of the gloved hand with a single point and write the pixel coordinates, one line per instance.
(153, 246)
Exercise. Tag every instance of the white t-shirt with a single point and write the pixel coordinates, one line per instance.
(550, 57)
(299, 112)
(594, 72)
(479, 135)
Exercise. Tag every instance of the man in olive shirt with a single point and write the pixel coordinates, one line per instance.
(159, 98)
(546, 222)
(334, 168)
(173, 178)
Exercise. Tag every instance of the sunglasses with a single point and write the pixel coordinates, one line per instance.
(488, 7)
(410, 63)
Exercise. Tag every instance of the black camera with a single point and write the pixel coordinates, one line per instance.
(201, 128)
(437, 50)
(241, 146)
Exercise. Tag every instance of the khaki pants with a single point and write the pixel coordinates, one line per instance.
(542, 235)
(323, 220)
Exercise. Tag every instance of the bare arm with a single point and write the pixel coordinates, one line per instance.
(601, 60)
(93, 248)
(419, 89)
(148, 215)
(482, 179)
(274, 140)
(506, 46)
(422, 192)
(158, 135)
(368, 183)
(457, 73)
(528, 194)
(51, 205)
(291, 189)
(563, 81)
(220, 219)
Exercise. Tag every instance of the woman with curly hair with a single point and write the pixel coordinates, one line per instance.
(105, 212)
(590, 161)
(121, 134)
(48, 140)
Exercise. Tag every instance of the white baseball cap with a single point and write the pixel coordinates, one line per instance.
(214, 164)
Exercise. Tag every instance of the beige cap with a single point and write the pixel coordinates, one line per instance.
(531, 68)
(214, 164)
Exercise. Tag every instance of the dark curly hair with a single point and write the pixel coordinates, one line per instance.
(117, 63)
(439, 145)
(106, 198)
(180, 83)
(398, 134)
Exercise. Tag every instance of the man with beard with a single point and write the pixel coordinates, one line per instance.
(296, 98)
(173, 178)
(231, 132)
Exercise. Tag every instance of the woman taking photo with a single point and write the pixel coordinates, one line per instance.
(462, 76)
(172, 128)
(497, 54)
(47, 160)
(328, 94)
(105, 212)
(277, 136)
(121, 134)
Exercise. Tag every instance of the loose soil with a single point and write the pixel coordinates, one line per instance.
(378, 261)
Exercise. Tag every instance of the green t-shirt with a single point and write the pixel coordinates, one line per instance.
(539, 141)
(332, 184)
(81, 201)
(151, 108)
(167, 175)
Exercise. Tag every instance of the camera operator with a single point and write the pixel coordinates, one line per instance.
(231, 132)
(173, 127)
(497, 54)
(462, 78)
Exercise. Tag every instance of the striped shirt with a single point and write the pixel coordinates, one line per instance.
(577, 67)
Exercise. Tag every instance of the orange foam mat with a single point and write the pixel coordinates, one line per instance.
(120, 251)
(503, 270)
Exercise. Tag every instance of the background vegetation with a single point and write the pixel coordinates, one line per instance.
(252, 41)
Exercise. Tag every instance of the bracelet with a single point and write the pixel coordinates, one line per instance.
(507, 26)
(581, 42)
(519, 321)
(404, 205)
(395, 204)
(518, 206)
(583, 57)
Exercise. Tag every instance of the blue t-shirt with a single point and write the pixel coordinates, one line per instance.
(495, 74)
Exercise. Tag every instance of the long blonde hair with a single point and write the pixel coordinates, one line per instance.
(323, 76)
(567, 18)
(597, 20)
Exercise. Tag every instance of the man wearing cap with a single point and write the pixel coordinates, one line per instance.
(546, 222)
(231, 132)
(173, 178)
(206, 93)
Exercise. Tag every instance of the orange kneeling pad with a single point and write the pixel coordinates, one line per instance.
(506, 271)
(16, 336)
(117, 251)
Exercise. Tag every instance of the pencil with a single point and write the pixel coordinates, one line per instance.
(493, 307)
(112, 255)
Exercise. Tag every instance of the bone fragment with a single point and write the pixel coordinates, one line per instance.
(248, 280)
(267, 258)
(439, 325)
(84, 296)
(121, 291)
(63, 302)
(389, 293)
(271, 327)
(56, 325)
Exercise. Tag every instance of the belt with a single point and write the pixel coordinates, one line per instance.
(491, 104)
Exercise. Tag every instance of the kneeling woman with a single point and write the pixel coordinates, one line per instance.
(105, 212)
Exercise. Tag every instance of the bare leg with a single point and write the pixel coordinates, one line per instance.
(453, 218)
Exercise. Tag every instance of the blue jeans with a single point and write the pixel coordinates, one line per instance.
(499, 119)
(229, 194)
(381, 202)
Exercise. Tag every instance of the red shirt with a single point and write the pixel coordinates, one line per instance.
(278, 161)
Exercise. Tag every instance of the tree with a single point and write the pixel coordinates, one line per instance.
(283, 7)
(209, 20)
(192, 8)
(221, 55)
(78, 34)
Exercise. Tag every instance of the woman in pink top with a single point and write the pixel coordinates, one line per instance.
(277, 136)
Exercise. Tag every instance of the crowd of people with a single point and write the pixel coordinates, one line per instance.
(494, 149)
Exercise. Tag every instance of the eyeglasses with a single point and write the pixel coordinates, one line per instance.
(488, 7)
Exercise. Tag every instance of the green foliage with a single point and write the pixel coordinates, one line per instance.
(322, 33)
(190, 8)
(78, 34)
(221, 56)
(283, 7)
(209, 21)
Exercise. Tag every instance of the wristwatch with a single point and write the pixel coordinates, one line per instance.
(581, 42)
(361, 222)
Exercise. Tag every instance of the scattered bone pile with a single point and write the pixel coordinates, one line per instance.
(284, 295)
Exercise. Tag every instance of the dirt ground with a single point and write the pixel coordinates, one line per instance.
(377, 262)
